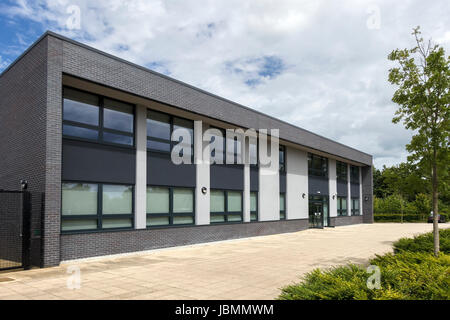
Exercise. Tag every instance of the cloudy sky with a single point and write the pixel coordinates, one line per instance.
(318, 64)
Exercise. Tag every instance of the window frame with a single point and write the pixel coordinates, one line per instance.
(317, 172)
(170, 142)
(100, 127)
(283, 211)
(342, 212)
(171, 214)
(226, 213)
(355, 212)
(99, 216)
(339, 175)
(255, 212)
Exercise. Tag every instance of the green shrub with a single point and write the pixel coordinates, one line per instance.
(393, 217)
(410, 273)
(424, 243)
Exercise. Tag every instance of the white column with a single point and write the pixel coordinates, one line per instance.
(201, 158)
(349, 192)
(296, 184)
(269, 188)
(360, 192)
(246, 159)
(332, 187)
(140, 217)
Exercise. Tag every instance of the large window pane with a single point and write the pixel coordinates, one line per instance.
(158, 125)
(159, 146)
(184, 124)
(234, 201)
(253, 150)
(157, 221)
(157, 200)
(117, 199)
(117, 138)
(253, 201)
(118, 116)
(217, 218)
(116, 223)
(282, 201)
(80, 132)
(183, 220)
(217, 148)
(217, 199)
(183, 200)
(83, 224)
(80, 107)
(79, 199)
(234, 217)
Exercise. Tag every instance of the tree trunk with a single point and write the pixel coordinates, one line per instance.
(434, 181)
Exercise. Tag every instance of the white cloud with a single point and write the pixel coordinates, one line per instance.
(333, 69)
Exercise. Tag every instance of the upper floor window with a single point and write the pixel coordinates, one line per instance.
(317, 165)
(282, 158)
(341, 171)
(354, 174)
(225, 149)
(91, 117)
(253, 151)
(160, 128)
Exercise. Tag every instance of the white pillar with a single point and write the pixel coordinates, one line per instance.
(269, 186)
(201, 158)
(349, 192)
(140, 217)
(296, 184)
(332, 187)
(246, 159)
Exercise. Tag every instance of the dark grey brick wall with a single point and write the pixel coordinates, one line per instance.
(75, 246)
(345, 220)
(23, 100)
(10, 230)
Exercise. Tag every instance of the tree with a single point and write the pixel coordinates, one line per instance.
(423, 80)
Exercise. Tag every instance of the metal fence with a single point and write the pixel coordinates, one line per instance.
(15, 229)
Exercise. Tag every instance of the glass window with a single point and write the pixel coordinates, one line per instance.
(81, 210)
(118, 116)
(234, 201)
(355, 207)
(117, 199)
(317, 165)
(253, 151)
(82, 113)
(342, 206)
(282, 206)
(253, 206)
(183, 200)
(217, 199)
(169, 206)
(157, 200)
(158, 125)
(218, 149)
(282, 158)
(79, 199)
(341, 171)
(354, 174)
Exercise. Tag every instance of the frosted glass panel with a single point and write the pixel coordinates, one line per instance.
(157, 221)
(79, 199)
(282, 202)
(234, 217)
(157, 200)
(344, 204)
(217, 201)
(183, 200)
(234, 201)
(85, 224)
(253, 217)
(183, 220)
(117, 199)
(218, 218)
(253, 201)
(116, 223)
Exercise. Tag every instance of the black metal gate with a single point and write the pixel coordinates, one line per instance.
(15, 229)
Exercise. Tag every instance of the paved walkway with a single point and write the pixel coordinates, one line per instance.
(253, 268)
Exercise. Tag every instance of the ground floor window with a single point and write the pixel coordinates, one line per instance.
(282, 206)
(253, 206)
(226, 206)
(96, 206)
(169, 206)
(341, 206)
(355, 207)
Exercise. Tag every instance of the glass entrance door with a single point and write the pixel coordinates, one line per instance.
(315, 215)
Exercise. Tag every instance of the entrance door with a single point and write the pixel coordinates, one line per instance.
(316, 215)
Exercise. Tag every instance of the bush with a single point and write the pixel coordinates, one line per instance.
(412, 272)
(395, 217)
(424, 243)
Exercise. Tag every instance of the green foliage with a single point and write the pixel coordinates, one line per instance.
(410, 274)
(424, 243)
(407, 217)
(391, 204)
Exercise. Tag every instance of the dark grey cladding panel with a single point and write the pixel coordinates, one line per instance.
(283, 182)
(91, 64)
(163, 172)
(85, 161)
(316, 184)
(342, 189)
(254, 178)
(367, 190)
(354, 189)
(227, 177)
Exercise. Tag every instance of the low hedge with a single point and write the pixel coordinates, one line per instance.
(424, 243)
(397, 217)
(411, 272)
